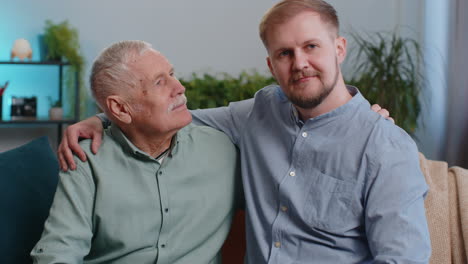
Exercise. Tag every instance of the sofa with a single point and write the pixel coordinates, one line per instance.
(28, 179)
(446, 211)
(29, 176)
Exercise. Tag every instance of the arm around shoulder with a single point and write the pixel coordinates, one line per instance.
(230, 119)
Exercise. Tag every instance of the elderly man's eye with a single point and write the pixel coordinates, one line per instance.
(285, 53)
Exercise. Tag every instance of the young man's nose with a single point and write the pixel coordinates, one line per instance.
(300, 61)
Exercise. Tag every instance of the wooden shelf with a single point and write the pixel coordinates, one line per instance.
(40, 121)
(35, 62)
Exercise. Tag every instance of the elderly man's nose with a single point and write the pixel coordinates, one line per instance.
(178, 87)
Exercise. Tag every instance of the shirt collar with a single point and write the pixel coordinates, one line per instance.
(129, 147)
(356, 99)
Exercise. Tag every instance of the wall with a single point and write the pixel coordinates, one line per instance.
(200, 36)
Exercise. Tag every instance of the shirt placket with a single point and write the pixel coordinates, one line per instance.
(164, 243)
(284, 211)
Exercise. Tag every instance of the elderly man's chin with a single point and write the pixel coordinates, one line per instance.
(182, 115)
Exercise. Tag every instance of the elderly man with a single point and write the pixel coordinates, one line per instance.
(160, 190)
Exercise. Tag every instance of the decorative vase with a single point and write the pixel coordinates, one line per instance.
(21, 49)
(55, 113)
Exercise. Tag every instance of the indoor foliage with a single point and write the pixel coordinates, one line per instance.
(388, 71)
(209, 91)
(62, 43)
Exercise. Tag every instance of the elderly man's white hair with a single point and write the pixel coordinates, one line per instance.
(110, 73)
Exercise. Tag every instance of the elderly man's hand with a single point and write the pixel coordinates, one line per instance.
(382, 111)
(88, 128)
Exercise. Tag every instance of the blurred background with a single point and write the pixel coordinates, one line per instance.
(209, 41)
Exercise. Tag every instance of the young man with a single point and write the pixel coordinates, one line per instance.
(160, 190)
(326, 179)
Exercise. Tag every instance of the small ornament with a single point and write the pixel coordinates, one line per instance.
(21, 49)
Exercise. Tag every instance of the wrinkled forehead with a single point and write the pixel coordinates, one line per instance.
(160, 61)
(149, 65)
(150, 58)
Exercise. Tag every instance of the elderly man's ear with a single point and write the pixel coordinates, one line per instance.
(119, 109)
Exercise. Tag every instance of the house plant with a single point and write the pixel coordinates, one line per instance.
(213, 90)
(387, 69)
(62, 44)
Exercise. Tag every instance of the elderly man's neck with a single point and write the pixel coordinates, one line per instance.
(151, 142)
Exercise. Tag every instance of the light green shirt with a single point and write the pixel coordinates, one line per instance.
(123, 206)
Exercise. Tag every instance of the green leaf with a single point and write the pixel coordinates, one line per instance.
(209, 91)
(387, 69)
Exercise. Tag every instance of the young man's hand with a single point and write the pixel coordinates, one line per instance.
(382, 111)
(88, 128)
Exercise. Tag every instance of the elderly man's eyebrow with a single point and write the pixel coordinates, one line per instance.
(160, 74)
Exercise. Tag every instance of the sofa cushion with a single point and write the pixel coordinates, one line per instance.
(28, 179)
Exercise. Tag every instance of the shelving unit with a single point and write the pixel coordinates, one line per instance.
(45, 121)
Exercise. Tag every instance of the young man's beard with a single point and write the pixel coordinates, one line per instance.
(312, 102)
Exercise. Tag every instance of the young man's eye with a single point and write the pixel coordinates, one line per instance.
(311, 46)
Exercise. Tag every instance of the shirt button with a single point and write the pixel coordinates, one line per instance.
(160, 172)
(166, 210)
(292, 174)
(163, 245)
(277, 244)
(284, 208)
(304, 134)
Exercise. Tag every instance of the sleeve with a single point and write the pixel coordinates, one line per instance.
(395, 218)
(68, 229)
(104, 119)
(230, 119)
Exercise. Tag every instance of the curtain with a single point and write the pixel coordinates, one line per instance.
(457, 120)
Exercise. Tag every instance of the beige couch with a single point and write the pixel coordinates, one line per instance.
(447, 211)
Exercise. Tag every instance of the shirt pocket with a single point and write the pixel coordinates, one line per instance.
(329, 204)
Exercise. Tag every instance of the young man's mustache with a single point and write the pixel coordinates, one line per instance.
(304, 74)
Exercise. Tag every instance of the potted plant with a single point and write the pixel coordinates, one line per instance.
(61, 41)
(55, 110)
(62, 44)
(388, 71)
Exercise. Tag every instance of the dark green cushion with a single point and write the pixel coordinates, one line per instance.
(28, 179)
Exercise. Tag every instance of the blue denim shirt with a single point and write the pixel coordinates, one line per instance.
(343, 187)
